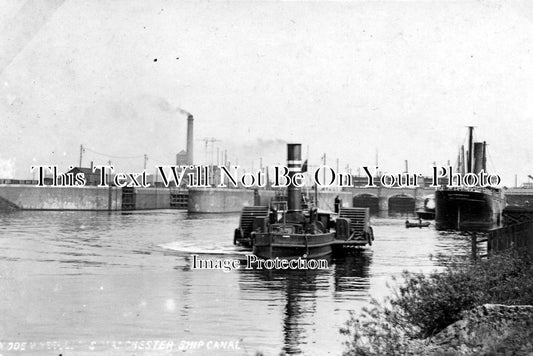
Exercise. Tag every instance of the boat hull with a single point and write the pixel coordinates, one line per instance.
(292, 246)
(467, 210)
(425, 214)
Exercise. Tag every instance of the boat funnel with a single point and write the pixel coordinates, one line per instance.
(294, 164)
(478, 157)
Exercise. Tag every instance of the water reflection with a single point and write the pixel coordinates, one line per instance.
(302, 290)
(352, 272)
(455, 247)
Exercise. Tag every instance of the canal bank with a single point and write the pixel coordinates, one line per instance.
(470, 308)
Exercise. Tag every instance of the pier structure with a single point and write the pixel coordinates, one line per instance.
(519, 196)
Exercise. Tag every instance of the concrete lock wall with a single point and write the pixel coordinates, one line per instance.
(152, 198)
(218, 200)
(263, 197)
(326, 200)
(29, 197)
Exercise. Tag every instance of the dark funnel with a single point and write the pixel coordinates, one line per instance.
(294, 163)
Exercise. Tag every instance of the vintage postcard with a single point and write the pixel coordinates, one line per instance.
(266, 177)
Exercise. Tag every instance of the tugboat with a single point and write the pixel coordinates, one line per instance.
(301, 233)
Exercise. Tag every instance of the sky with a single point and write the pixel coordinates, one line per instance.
(355, 80)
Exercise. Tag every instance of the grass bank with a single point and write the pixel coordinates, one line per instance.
(423, 305)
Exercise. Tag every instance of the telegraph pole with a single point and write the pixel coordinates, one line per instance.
(324, 169)
(81, 154)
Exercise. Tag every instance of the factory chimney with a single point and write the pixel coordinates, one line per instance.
(190, 139)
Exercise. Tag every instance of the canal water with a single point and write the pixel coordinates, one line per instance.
(96, 283)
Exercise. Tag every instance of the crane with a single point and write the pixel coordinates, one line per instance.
(208, 140)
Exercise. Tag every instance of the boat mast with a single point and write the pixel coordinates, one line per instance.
(462, 166)
(484, 165)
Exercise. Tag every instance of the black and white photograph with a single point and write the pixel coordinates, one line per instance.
(266, 177)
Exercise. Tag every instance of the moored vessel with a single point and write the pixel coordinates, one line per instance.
(427, 212)
(472, 208)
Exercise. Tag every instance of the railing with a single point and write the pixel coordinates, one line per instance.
(513, 215)
(476, 241)
(518, 237)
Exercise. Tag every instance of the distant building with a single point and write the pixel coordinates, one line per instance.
(182, 159)
(90, 177)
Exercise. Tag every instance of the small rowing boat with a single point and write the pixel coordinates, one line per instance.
(409, 224)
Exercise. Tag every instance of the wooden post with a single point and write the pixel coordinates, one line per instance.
(474, 246)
